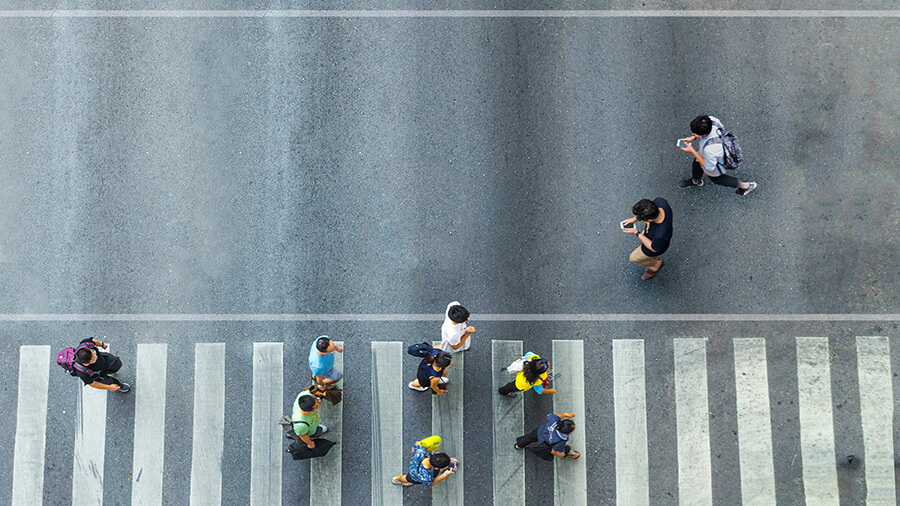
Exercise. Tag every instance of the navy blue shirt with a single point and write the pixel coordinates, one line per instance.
(659, 233)
(549, 434)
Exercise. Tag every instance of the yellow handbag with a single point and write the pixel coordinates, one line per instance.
(430, 443)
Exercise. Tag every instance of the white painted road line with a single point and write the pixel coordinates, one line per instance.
(509, 416)
(876, 398)
(447, 422)
(816, 422)
(266, 436)
(754, 421)
(31, 425)
(692, 422)
(442, 13)
(387, 422)
(325, 472)
(402, 317)
(149, 424)
(90, 445)
(629, 394)
(570, 481)
(209, 424)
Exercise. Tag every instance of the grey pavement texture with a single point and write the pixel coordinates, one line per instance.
(393, 165)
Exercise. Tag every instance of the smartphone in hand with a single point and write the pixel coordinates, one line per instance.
(624, 225)
(681, 144)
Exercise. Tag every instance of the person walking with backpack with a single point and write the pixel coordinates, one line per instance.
(532, 372)
(553, 436)
(719, 151)
(93, 366)
(654, 238)
(455, 333)
(431, 373)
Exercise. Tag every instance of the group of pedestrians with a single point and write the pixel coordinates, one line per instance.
(719, 152)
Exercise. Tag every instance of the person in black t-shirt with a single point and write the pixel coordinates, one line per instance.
(655, 238)
(102, 364)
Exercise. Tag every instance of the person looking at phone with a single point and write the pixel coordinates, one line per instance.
(710, 159)
(426, 468)
(656, 236)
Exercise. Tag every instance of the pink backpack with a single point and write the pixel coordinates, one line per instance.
(66, 360)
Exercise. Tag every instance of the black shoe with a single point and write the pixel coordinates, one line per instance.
(125, 388)
(687, 183)
(743, 191)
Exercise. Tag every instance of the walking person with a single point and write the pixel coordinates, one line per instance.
(426, 468)
(553, 435)
(711, 159)
(656, 236)
(95, 368)
(431, 373)
(305, 419)
(455, 333)
(535, 374)
(321, 362)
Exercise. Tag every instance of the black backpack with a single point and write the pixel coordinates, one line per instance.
(731, 148)
(420, 350)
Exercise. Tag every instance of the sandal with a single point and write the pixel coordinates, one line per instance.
(574, 455)
(395, 481)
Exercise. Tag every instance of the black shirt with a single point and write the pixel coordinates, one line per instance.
(659, 233)
(100, 365)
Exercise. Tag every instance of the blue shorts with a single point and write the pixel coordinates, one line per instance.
(334, 374)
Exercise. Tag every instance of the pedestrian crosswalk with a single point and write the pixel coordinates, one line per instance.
(690, 391)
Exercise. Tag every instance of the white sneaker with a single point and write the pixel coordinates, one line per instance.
(417, 389)
(324, 428)
(750, 187)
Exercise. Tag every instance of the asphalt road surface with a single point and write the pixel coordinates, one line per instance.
(289, 165)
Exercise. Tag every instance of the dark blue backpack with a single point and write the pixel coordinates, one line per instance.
(420, 350)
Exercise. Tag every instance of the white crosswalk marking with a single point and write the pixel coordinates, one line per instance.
(629, 395)
(816, 425)
(266, 453)
(877, 406)
(570, 482)
(692, 422)
(209, 424)
(90, 445)
(754, 422)
(325, 472)
(149, 424)
(447, 422)
(387, 422)
(509, 415)
(31, 425)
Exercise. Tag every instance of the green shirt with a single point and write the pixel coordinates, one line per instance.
(304, 424)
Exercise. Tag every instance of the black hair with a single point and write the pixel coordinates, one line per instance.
(566, 426)
(442, 359)
(701, 125)
(532, 369)
(645, 210)
(307, 403)
(323, 343)
(440, 460)
(84, 355)
(458, 314)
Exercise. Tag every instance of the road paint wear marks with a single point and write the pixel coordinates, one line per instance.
(31, 425)
(209, 424)
(387, 422)
(266, 435)
(508, 417)
(447, 422)
(629, 395)
(570, 480)
(692, 422)
(876, 398)
(754, 422)
(816, 421)
(90, 445)
(149, 424)
(442, 13)
(325, 472)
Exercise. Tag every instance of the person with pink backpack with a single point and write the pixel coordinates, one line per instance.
(94, 367)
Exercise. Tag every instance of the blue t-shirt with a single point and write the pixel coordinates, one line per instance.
(549, 434)
(417, 471)
(318, 364)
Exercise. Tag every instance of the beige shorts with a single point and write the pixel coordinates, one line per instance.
(638, 257)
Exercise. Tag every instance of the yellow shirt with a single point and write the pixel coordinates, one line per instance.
(522, 383)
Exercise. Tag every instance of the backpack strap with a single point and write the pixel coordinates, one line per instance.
(78, 366)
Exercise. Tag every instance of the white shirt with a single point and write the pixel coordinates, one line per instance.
(451, 332)
(713, 154)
